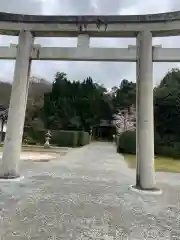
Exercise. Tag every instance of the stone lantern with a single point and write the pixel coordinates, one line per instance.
(90, 133)
(47, 138)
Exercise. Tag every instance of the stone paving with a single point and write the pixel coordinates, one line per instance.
(85, 195)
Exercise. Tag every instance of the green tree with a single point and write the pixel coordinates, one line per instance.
(77, 105)
(125, 95)
(167, 105)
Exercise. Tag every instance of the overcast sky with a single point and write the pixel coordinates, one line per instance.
(109, 74)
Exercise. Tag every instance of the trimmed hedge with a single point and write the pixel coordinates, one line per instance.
(64, 138)
(60, 138)
(83, 138)
(126, 143)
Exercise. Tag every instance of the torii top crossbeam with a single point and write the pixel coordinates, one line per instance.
(161, 24)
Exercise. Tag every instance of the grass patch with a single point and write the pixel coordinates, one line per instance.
(162, 164)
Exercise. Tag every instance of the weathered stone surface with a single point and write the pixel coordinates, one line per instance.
(10, 17)
(86, 195)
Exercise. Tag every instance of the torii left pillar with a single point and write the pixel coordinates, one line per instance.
(17, 108)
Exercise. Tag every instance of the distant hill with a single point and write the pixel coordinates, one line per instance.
(37, 88)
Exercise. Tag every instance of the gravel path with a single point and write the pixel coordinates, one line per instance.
(86, 196)
(39, 155)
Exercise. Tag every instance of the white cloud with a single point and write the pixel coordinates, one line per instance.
(108, 74)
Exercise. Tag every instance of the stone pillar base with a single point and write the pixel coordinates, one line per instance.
(11, 178)
(9, 175)
(150, 191)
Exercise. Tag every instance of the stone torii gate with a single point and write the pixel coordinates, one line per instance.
(141, 27)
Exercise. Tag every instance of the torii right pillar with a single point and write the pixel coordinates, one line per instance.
(145, 172)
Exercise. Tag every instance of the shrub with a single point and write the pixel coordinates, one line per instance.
(116, 139)
(167, 146)
(29, 141)
(176, 147)
(126, 143)
(34, 136)
(166, 151)
(170, 151)
(158, 143)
